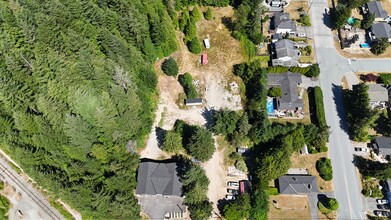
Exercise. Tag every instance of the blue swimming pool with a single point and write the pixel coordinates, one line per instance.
(364, 45)
(270, 105)
(351, 21)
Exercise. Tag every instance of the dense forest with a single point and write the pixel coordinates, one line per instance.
(77, 95)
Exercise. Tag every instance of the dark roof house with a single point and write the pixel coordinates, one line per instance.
(158, 179)
(381, 30)
(282, 23)
(376, 8)
(383, 146)
(196, 101)
(288, 83)
(297, 184)
(285, 54)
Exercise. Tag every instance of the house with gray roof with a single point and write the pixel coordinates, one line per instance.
(382, 146)
(297, 184)
(284, 53)
(378, 95)
(380, 30)
(376, 8)
(288, 82)
(158, 179)
(282, 23)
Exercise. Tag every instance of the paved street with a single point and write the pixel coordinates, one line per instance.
(31, 204)
(333, 66)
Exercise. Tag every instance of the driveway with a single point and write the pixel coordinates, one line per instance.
(333, 66)
(313, 202)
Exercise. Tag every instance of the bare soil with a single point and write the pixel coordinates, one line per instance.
(294, 6)
(289, 207)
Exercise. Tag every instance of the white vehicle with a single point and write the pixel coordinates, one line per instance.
(361, 149)
(207, 43)
(327, 11)
(381, 201)
(229, 197)
(233, 184)
(301, 34)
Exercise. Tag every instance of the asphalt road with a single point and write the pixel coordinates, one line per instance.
(333, 66)
(33, 200)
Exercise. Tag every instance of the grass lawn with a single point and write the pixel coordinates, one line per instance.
(289, 207)
(294, 8)
(385, 78)
(305, 59)
(309, 161)
(4, 207)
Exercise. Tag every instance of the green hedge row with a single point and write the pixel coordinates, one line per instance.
(317, 107)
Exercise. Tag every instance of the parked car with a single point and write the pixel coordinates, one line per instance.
(301, 34)
(327, 11)
(233, 191)
(382, 206)
(382, 213)
(361, 149)
(233, 184)
(381, 201)
(229, 197)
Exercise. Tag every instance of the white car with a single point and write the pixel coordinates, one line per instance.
(361, 149)
(301, 34)
(233, 184)
(229, 197)
(381, 201)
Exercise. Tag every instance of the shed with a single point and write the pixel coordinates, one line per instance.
(192, 102)
(206, 43)
(204, 58)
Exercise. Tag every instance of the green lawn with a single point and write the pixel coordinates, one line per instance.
(385, 78)
(4, 207)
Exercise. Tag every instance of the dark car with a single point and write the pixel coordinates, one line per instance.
(382, 213)
(382, 206)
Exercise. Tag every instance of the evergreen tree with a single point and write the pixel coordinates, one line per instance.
(194, 46)
(170, 67)
(208, 15)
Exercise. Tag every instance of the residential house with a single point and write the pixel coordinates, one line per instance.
(282, 23)
(382, 146)
(276, 37)
(376, 8)
(378, 95)
(297, 184)
(159, 190)
(285, 53)
(290, 101)
(380, 30)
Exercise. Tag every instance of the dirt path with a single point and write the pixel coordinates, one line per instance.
(216, 173)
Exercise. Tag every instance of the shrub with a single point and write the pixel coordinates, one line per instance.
(332, 204)
(170, 67)
(305, 20)
(323, 209)
(275, 92)
(194, 45)
(323, 166)
(313, 71)
(208, 15)
(385, 78)
(370, 77)
(196, 14)
(380, 46)
(272, 191)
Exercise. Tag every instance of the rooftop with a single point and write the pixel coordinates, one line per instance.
(297, 184)
(381, 30)
(383, 142)
(288, 82)
(285, 49)
(156, 178)
(376, 8)
(283, 21)
(377, 93)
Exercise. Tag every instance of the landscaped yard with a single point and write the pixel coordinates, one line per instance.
(309, 161)
(289, 207)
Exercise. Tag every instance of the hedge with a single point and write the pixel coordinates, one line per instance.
(323, 166)
(317, 107)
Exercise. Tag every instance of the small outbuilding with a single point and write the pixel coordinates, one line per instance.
(193, 102)
(206, 43)
(204, 58)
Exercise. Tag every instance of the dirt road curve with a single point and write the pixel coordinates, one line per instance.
(27, 203)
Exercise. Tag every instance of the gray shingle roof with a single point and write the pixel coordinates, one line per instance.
(297, 184)
(285, 49)
(376, 8)
(381, 30)
(158, 178)
(377, 93)
(383, 145)
(288, 83)
(283, 21)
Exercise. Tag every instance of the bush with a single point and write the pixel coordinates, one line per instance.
(273, 191)
(323, 209)
(313, 71)
(380, 46)
(332, 204)
(170, 67)
(370, 77)
(172, 142)
(196, 14)
(208, 15)
(305, 20)
(194, 46)
(275, 92)
(323, 166)
(385, 78)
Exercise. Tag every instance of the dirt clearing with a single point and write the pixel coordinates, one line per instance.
(289, 207)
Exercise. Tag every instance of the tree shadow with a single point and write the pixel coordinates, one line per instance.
(328, 20)
(220, 206)
(160, 134)
(311, 100)
(368, 167)
(228, 23)
(339, 103)
(322, 198)
(208, 115)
